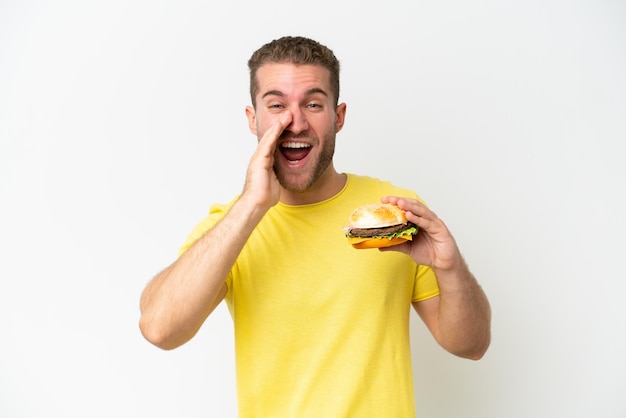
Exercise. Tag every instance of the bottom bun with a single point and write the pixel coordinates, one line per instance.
(379, 243)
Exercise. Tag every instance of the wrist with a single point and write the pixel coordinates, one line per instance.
(251, 208)
(457, 274)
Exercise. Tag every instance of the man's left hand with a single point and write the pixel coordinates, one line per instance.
(433, 245)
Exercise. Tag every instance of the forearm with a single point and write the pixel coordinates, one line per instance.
(464, 317)
(178, 300)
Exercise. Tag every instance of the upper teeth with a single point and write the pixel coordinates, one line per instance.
(295, 145)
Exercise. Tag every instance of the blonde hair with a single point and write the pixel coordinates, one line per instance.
(296, 50)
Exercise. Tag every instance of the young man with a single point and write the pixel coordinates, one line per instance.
(321, 328)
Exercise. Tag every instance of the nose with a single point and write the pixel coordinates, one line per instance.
(298, 123)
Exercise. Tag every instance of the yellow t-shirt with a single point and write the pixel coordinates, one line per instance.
(322, 329)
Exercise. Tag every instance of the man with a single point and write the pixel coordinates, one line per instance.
(321, 328)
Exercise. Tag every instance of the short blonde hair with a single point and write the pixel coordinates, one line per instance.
(296, 50)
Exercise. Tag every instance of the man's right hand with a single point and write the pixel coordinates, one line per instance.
(177, 300)
(262, 186)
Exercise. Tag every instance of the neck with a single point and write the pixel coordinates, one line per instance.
(326, 187)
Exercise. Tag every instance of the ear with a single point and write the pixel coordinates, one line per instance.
(340, 116)
(251, 115)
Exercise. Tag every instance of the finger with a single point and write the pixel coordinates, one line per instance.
(403, 203)
(418, 213)
(430, 225)
(409, 206)
(393, 200)
(270, 138)
(415, 207)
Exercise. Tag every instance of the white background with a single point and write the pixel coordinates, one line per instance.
(122, 121)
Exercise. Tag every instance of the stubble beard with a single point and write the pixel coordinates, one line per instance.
(302, 181)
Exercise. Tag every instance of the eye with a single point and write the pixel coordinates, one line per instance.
(275, 107)
(314, 106)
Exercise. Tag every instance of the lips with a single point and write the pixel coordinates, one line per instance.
(294, 151)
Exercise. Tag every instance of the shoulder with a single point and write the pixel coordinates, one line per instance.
(378, 186)
(216, 212)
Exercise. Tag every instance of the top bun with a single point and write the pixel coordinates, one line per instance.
(376, 215)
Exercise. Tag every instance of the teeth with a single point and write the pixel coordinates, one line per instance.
(295, 145)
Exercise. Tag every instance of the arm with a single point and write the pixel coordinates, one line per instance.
(460, 317)
(178, 300)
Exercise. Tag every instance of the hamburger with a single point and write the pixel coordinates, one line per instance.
(378, 225)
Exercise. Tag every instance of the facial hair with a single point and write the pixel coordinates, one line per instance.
(305, 179)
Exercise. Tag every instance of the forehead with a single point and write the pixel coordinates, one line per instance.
(291, 79)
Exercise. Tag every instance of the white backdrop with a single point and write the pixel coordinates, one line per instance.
(122, 121)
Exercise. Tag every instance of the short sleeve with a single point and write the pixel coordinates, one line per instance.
(426, 285)
(216, 213)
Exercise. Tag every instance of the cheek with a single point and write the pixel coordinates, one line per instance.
(263, 123)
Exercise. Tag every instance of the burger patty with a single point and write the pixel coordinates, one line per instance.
(387, 230)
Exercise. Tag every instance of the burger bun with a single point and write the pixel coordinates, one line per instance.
(376, 215)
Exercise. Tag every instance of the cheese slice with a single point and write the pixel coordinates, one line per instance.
(356, 240)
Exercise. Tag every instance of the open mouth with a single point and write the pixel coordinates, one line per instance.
(294, 151)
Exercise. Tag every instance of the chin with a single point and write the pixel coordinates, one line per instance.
(296, 182)
(295, 186)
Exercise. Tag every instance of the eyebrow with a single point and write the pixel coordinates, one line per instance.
(309, 92)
